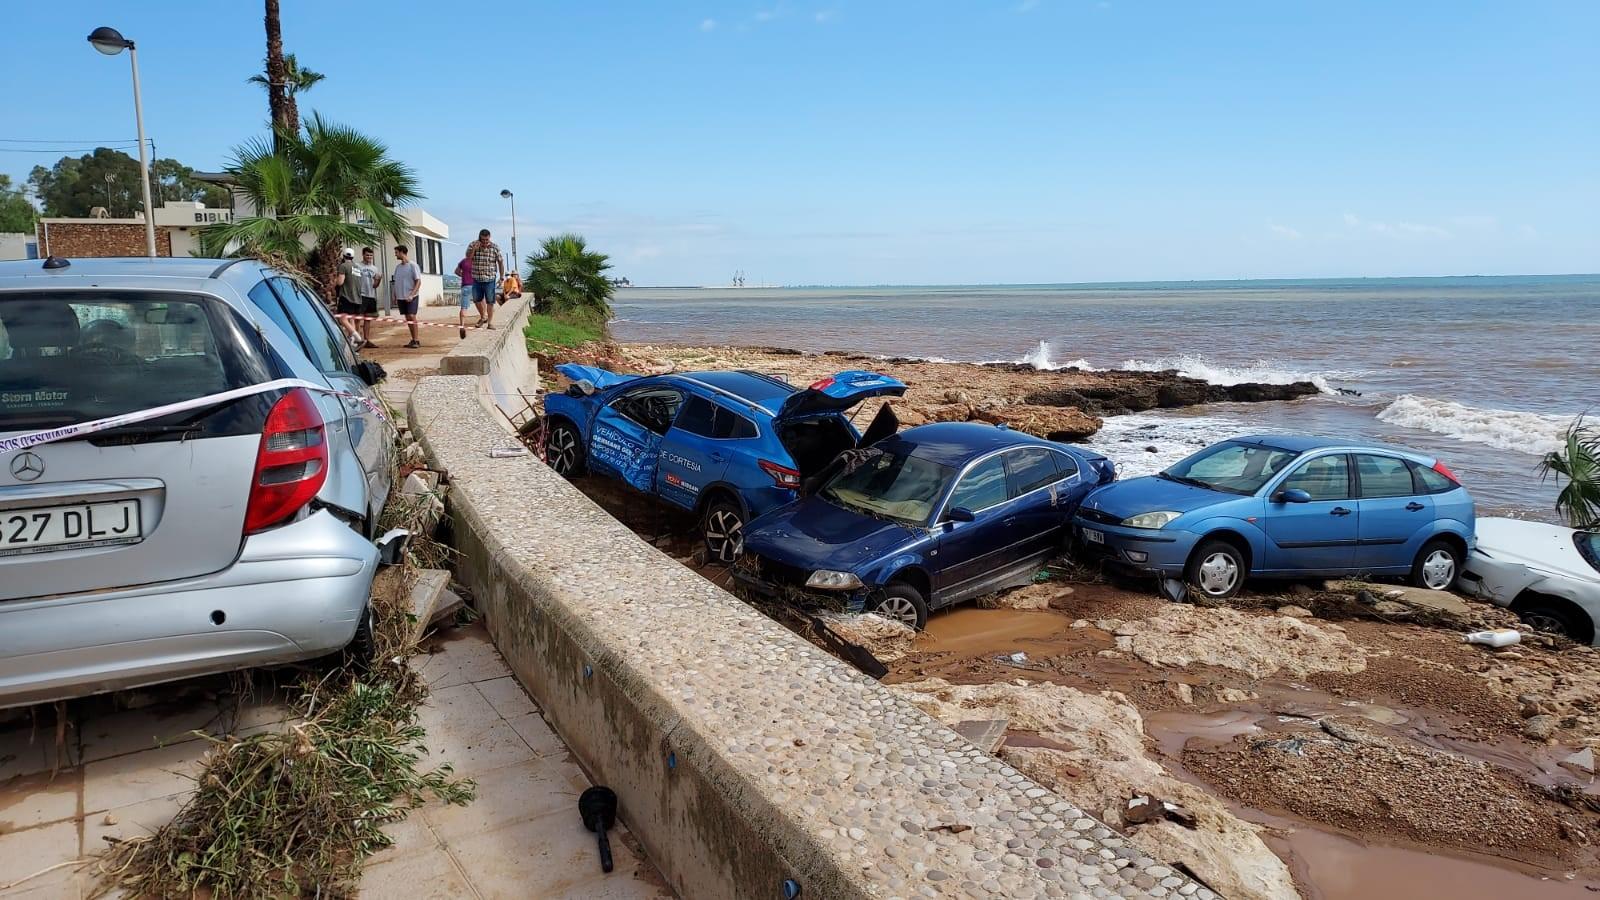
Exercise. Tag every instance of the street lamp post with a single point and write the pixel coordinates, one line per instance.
(111, 42)
(516, 261)
(110, 178)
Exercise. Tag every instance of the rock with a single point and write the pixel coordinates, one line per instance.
(1106, 765)
(412, 455)
(1533, 705)
(947, 412)
(1258, 646)
(1034, 596)
(1295, 612)
(1582, 761)
(1151, 449)
(1183, 691)
(908, 415)
(1056, 423)
(957, 397)
(1540, 728)
(420, 483)
(1259, 393)
(1392, 609)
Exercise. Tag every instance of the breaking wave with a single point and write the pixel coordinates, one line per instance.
(1197, 367)
(1503, 429)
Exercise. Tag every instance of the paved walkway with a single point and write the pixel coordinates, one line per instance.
(121, 774)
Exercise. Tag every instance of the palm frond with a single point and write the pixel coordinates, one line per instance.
(1577, 461)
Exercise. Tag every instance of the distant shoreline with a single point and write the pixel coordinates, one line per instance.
(1187, 283)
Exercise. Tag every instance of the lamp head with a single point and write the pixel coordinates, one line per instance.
(109, 40)
(505, 194)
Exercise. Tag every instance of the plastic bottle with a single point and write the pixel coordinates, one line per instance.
(1495, 637)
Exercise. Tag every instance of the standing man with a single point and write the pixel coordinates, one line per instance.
(488, 264)
(464, 272)
(348, 281)
(368, 283)
(405, 288)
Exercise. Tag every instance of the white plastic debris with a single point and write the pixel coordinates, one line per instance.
(507, 452)
(1495, 637)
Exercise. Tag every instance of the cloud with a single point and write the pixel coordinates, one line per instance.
(1400, 230)
(1284, 231)
(708, 24)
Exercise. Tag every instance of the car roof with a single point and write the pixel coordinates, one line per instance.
(184, 273)
(1301, 443)
(953, 443)
(759, 389)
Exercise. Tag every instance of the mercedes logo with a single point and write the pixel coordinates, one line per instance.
(27, 466)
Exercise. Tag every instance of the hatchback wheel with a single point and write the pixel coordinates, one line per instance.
(1436, 566)
(563, 450)
(1555, 617)
(723, 529)
(904, 604)
(1217, 569)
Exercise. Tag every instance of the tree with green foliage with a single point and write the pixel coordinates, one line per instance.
(330, 184)
(1578, 461)
(16, 213)
(570, 279)
(75, 185)
(295, 80)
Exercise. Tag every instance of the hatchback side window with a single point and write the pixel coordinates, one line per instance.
(1432, 482)
(322, 345)
(698, 417)
(1031, 468)
(263, 298)
(1324, 478)
(1384, 476)
(733, 426)
(981, 488)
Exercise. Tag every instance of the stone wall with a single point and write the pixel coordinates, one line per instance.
(87, 239)
(747, 760)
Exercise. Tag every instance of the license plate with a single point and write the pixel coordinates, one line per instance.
(63, 527)
(1094, 537)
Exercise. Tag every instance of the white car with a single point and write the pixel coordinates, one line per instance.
(1548, 575)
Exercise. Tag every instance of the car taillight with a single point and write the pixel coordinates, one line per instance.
(822, 385)
(291, 465)
(1444, 470)
(783, 476)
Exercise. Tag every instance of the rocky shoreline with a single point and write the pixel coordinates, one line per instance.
(1061, 404)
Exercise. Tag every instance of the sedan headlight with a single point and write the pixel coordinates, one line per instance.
(826, 580)
(1151, 519)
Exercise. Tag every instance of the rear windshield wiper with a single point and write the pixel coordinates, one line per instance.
(137, 430)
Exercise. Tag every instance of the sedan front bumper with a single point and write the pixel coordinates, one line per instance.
(1143, 551)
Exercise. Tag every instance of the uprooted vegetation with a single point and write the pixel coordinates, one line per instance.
(296, 811)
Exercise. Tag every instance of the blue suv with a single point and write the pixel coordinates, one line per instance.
(728, 446)
(1285, 506)
(929, 517)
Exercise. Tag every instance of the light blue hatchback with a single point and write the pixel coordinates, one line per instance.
(1284, 506)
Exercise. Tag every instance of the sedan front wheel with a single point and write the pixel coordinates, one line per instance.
(1217, 569)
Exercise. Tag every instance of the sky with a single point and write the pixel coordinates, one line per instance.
(903, 141)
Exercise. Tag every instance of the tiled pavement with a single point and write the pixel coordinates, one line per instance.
(128, 772)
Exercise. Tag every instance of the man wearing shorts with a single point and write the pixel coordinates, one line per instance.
(368, 283)
(464, 272)
(488, 264)
(405, 288)
(349, 297)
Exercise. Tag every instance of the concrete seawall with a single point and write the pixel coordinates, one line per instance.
(748, 761)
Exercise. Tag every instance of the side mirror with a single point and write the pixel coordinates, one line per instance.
(1292, 495)
(960, 514)
(370, 372)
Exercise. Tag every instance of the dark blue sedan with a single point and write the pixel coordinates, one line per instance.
(924, 519)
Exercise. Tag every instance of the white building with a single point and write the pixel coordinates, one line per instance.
(19, 245)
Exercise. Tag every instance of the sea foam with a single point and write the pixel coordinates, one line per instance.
(1504, 429)
(1194, 366)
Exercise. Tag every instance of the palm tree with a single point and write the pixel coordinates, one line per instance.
(293, 81)
(570, 278)
(1578, 461)
(332, 185)
(277, 78)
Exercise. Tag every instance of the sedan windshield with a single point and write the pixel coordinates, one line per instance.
(891, 485)
(1232, 467)
(1589, 547)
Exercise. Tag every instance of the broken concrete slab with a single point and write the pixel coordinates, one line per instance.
(425, 594)
(985, 734)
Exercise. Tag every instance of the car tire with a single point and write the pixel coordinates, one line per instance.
(1555, 618)
(1436, 566)
(1217, 570)
(722, 531)
(563, 450)
(362, 650)
(903, 603)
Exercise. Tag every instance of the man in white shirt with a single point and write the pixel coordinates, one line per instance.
(405, 288)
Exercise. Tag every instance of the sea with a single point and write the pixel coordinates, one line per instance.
(1483, 372)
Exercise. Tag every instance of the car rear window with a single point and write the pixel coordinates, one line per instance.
(67, 358)
(1589, 547)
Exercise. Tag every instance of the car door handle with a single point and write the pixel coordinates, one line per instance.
(1338, 511)
(1414, 506)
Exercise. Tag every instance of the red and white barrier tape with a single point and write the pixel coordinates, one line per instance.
(66, 432)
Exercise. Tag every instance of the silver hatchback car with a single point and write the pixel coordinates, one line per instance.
(228, 535)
